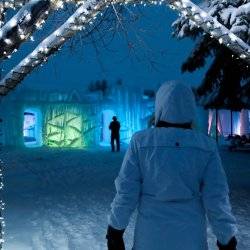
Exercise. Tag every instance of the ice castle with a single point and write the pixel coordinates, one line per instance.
(74, 119)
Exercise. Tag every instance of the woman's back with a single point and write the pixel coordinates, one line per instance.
(172, 162)
(171, 214)
(174, 176)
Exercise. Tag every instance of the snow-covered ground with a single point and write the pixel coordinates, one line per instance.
(59, 199)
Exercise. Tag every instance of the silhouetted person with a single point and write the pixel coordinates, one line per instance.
(114, 126)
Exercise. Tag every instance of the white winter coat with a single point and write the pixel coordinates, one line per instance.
(175, 178)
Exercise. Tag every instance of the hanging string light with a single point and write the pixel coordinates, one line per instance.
(2, 223)
(85, 15)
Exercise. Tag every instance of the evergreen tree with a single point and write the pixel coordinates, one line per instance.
(222, 83)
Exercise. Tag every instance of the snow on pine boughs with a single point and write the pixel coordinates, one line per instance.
(235, 15)
(227, 73)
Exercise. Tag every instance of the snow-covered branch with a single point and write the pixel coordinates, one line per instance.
(12, 4)
(29, 18)
(20, 27)
(52, 43)
(211, 26)
(239, 20)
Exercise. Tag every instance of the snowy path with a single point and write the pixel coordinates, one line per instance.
(59, 199)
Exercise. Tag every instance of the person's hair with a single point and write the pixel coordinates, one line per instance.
(114, 118)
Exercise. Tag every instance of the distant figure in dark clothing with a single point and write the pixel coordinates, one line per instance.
(114, 126)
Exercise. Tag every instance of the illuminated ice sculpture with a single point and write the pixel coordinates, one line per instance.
(74, 119)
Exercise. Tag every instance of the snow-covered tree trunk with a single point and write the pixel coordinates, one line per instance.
(9, 4)
(20, 27)
(29, 18)
(52, 43)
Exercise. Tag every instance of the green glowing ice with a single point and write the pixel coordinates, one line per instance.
(64, 130)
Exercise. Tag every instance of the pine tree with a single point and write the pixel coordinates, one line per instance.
(222, 83)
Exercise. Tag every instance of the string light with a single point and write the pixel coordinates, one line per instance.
(84, 15)
(12, 4)
(221, 41)
(27, 19)
(8, 42)
(19, 27)
(15, 4)
(211, 26)
(2, 205)
(87, 12)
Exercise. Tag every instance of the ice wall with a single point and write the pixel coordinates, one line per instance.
(62, 121)
(132, 111)
(69, 125)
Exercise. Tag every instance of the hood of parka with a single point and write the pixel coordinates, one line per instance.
(175, 103)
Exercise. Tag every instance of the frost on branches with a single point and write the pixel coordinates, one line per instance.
(222, 85)
(20, 27)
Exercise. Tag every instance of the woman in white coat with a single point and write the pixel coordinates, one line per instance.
(173, 175)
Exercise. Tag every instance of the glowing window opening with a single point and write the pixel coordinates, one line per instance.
(32, 131)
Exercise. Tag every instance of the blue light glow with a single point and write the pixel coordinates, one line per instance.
(105, 132)
(32, 127)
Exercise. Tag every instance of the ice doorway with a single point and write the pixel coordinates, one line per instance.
(105, 132)
(32, 134)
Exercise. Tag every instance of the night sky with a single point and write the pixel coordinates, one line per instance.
(148, 56)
